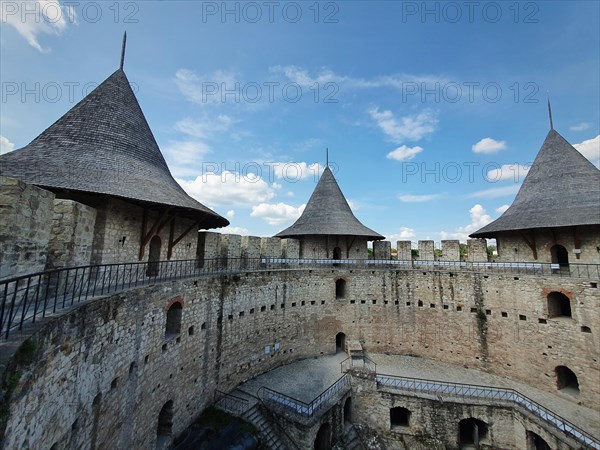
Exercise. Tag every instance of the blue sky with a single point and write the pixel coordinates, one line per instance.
(431, 112)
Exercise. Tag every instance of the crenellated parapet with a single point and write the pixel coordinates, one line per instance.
(233, 246)
(230, 246)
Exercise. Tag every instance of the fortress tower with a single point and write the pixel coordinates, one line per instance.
(106, 174)
(555, 216)
(327, 228)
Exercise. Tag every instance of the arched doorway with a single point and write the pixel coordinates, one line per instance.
(348, 410)
(340, 342)
(559, 255)
(323, 439)
(337, 253)
(536, 442)
(566, 380)
(471, 432)
(154, 257)
(399, 417)
(165, 426)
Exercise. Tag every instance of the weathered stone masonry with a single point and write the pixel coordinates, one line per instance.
(108, 368)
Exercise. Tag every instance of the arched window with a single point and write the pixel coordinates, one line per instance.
(154, 257)
(323, 439)
(559, 255)
(173, 327)
(340, 342)
(399, 417)
(559, 305)
(566, 380)
(340, 289)
(536, 442)
(471, 432)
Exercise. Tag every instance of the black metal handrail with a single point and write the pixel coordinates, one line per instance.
(490, 393)
(26, 298)
(368, 364)
(294, 405)
(231, 403)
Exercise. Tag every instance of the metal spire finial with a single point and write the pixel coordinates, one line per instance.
(123, 50)
(550, 111)
(326, 156)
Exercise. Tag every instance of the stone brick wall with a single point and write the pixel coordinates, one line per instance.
(25, 217)
(116, 347)
(319, 247)
(434, 424)
(512, 246)
(72, 233)
(119, 228)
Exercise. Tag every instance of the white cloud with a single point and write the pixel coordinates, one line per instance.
(228, 188)
(405, 234)
(590, 149)
(496, 192)
(407, 128)
(277, 214)
(234, 230)
(295, 171)
(410, 198)
(230, 214)
(580, 127)
(479, 219)
(501, 209)
(301, 76)
(403, 153)
(5, 145)
(32, 18)
(488, 145)
(205, 89)
(205, 127)
(183, 156)
(514, 172)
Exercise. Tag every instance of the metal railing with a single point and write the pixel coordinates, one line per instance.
(489, 393)
(27, 298)
(291, 404)
(231, 403)
(361, 364)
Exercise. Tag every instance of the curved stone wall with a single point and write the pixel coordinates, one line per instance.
(101, 374)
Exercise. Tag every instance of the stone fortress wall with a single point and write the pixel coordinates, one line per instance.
(109, 366)
(99, 375)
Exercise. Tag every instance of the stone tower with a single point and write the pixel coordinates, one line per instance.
(327, 228)
(556, 214)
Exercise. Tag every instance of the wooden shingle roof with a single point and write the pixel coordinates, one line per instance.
(328, 213)
(104, 146)
(561, 189)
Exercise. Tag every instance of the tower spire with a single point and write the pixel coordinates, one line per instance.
(550, 111)
(123, 50)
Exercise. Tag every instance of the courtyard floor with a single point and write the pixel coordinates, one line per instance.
(306, 379)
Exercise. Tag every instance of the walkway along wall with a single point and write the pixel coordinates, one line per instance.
(99, 376)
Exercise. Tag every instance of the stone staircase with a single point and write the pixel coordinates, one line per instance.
(268, 437)
(351, 440)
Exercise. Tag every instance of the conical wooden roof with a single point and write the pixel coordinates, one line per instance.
(328, 213)
(561, 189)
(103, 145)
